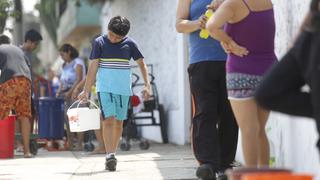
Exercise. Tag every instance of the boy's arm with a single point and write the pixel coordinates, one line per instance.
(144, 71)
(90, 79)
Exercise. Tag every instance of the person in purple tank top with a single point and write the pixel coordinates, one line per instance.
(248, 38)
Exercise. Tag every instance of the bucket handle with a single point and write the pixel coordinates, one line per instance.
(80, 101)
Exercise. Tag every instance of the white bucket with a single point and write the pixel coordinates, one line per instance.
(83, 118)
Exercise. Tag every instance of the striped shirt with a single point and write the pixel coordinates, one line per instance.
(114, 73)
(114, 63)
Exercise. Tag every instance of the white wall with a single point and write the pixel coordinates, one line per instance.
(153, 27)
(292, 139)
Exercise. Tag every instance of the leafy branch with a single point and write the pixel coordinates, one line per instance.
(7, 10)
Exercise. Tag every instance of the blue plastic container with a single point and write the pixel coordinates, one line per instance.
(51, 117)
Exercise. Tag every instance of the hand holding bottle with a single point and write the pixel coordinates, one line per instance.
(204, 34)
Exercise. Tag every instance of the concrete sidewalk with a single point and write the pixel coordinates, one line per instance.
(161, 161)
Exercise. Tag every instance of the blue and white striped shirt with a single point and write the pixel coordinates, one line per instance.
(114, 73)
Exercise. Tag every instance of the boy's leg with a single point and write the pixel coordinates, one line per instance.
(108, 134)
(113, 107)
(108, 137)
(114, 111)
(118, 127)
(122, 105)
(112, 131)
(111, 134)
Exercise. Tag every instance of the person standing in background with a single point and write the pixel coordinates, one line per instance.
(251, 24)
(73, 72)
(32, 39)
(214, 129)
(15, 88)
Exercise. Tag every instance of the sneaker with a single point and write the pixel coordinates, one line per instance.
(206, 172)
(111, 163)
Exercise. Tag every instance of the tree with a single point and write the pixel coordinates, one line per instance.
(6, 10)
(49, 18)
(18, 33)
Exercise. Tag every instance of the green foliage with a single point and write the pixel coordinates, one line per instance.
(7, 10)
(49, 17)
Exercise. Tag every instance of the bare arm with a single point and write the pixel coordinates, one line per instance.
(215, 4)
(183, 24)
(144, 71)
(78, 88)
(90, 79)
(78, 80)
(215, 25)
(59, 89)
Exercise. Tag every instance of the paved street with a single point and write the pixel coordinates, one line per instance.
(161, 161)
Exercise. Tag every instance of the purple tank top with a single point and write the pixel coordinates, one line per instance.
(256, 32)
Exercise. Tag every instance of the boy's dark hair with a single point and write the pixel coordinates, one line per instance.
(119, 25)
(32, 35)
(4, 39)
(67, 47)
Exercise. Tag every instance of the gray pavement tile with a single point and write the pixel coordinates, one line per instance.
(160, 162)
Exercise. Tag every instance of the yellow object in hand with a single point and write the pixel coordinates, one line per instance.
(204, 33)
(94, 90)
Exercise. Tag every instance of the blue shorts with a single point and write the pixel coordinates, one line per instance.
(113, 105)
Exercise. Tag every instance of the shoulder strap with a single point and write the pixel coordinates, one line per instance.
(244, 1)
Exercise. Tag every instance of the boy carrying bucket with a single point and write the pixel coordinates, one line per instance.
(110, 67)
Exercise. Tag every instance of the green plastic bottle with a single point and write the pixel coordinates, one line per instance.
(204, 33)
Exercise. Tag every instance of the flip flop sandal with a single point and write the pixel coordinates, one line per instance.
(29, 155)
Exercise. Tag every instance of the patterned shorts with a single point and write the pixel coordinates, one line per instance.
(16, 94)
(242, 86)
